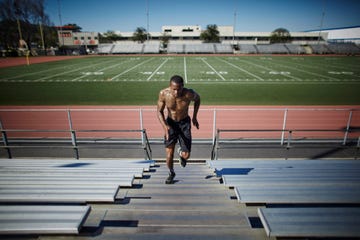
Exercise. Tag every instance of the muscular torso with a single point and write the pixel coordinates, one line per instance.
(178, 107)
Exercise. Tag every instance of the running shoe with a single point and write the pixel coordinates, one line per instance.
(182, 160)
(170, 179)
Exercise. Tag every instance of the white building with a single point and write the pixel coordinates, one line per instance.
(342, 35)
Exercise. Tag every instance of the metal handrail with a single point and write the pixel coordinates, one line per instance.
(289, 140)
(74, 141)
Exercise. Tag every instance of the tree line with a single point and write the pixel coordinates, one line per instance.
(25, 20)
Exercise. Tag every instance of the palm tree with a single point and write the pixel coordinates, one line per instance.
(140, 35)
(211, 34)
(280, 35)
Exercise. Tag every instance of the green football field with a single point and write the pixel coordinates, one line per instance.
(220, 80)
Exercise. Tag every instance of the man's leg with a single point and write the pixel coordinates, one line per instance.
(184, 155)
(170, 157)
(185, 141)
(170, 163)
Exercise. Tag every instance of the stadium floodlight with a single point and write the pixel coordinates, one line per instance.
(321, 22)
(147, 20)
(62, 35)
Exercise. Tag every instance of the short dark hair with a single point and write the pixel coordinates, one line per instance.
(177, 79)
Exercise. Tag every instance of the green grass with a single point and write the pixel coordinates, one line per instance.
(233, 80)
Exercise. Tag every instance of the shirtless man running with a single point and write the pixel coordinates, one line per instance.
(177, 125)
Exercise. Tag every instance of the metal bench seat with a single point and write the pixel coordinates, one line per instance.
(42, 219)
(57, 193)
(311, 222)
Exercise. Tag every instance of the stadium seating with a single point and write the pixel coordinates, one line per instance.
(29, 188)
(223, 48)
(151, 48)
(344, 48)
(296, 186)
(105, 48)
(272, 49)
(128, 48)
(320, 49)
(209, 48)
(295, 48)
(200, 48)
(247, 48)
(175, 48)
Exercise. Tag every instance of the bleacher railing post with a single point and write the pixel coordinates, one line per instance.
(5, 140)
(142, 127)
(284, 127)
(347, 128)
(217, 144)
(73, 136)
(214, 126)
(357, 147)
(288, 145)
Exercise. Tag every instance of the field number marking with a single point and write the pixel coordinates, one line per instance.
(149, 73)
(341, 73)
(92, 73)
(212, 73)
(279, 73)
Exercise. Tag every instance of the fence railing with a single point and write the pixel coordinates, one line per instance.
(74, 142)
(290, 138)
(210, 119)
(78, 124)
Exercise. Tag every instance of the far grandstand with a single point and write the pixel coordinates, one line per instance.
(186, 40)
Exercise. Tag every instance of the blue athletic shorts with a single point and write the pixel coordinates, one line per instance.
(179, 131)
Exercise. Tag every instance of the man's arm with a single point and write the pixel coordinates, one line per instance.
(196, 109)
(160, 113)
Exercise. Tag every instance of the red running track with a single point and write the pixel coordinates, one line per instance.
(227, 117)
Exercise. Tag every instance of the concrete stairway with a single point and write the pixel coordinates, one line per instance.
(197, 206)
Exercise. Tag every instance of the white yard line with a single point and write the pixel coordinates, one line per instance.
(243, 70)
(43, 71)
(307, 72)
(157, 69)
(185, 70)
(112, 66)
(74, 70)
(128, 70)
(213, 69)
(272, 70)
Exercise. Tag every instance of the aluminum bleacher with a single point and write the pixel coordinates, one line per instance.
(344, 48)
(326, 184)
(200, 48)
(209, 48)
(272, 48)
(320, 49)
(151, 48)
(223, 48)
(175, 48)
(247, 48)
(43, 182)
(295, 48)
(105, 48)
(42, 219)
(128, 48)
(335, 222)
